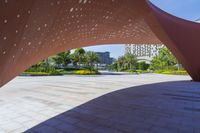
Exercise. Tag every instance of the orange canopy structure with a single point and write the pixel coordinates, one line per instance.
(32, 30)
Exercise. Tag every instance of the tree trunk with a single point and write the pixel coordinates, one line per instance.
(46, 64)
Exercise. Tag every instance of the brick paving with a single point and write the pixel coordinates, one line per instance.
(101, 104)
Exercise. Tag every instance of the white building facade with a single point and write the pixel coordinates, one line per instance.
(144, 52)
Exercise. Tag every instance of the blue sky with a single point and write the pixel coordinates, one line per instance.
(187, 9)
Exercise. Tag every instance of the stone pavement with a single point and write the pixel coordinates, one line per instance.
(101, 104)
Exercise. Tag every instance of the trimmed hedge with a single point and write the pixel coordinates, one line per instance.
(172, 72)
(40, 74)
(86, 72)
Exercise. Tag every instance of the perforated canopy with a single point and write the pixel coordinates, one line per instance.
(32, 30)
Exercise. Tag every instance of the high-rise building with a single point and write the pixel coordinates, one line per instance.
(105, 58)
(144, 52)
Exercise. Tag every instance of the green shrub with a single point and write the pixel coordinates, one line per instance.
(132, 71)
(53, 71)
(72, 68)
(86, 72)
(35, 73)
(181, 72)
(172, 72)
(41, 71)
(142, 65)
(159, 71)
(167, 72)
(142, 71)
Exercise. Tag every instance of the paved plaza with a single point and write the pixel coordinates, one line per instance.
(144, 103)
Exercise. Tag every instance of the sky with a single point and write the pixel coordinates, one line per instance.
(186, 9)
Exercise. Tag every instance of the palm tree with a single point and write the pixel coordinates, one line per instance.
(62, 58)
(126, 62)
(91, 59)
(121, 63)
(131, 61)
(78, 56)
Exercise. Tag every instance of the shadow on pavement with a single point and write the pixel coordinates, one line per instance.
(167, 107)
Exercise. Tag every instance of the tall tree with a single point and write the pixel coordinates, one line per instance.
(131, 61)
(78, 56)
(62, 58)
(125, 62)
(91, 59)
(164, 60)
(121, 63)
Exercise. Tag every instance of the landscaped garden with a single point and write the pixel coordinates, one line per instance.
(80, 62)
(163, 63)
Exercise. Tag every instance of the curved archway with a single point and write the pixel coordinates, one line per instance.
(32, 30)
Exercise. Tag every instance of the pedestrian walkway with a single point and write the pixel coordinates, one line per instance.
(101, 104)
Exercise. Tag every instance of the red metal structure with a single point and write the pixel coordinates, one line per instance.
(32, 30)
